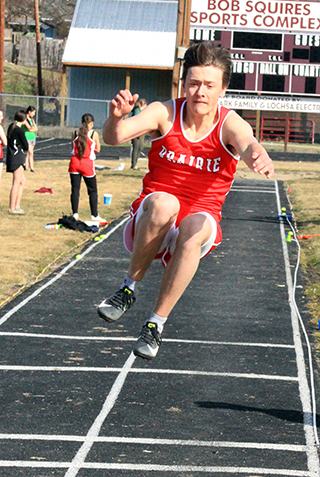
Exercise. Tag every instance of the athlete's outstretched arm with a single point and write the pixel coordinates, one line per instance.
(116, 130)
(238, 133)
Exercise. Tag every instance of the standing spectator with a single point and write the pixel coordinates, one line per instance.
(30, 128)
(3, 142)
(85, 145)
(137, 142)
(16, 160)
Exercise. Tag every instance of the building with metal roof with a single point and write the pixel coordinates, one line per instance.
(113, 44)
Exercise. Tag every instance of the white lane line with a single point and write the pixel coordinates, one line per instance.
(40, 141)
(156, 442)
(269, 186)
(58, 276)
(305, 397)
(125, 338)
(146, 370)
(262, 191)
(194, 468)
(160, 468)
(53, 146)
(213, 373)
(78, 460)
(229, 343)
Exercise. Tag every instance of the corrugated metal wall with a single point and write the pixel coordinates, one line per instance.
(126, 15)
(104, 84)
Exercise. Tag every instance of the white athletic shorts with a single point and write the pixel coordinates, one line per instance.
(169, 243)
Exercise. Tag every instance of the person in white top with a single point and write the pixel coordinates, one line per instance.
(3, 142)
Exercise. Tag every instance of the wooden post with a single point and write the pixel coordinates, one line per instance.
(258, 116)
(128, 79)
(258, 120)
(1, 43)
(36, 16)
(176, 66)
(286, 133)
(182, 39)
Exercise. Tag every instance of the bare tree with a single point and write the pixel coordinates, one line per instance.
(58, 14)
(55, 13)
(17, 9)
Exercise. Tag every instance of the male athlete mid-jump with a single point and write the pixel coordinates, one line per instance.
(196, 146)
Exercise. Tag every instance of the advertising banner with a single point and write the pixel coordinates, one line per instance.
(268, 103)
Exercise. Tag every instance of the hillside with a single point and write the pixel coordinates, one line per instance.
(22, 80)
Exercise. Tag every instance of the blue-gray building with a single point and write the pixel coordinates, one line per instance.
(118, 44)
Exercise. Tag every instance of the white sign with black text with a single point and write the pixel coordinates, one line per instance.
(268, 103)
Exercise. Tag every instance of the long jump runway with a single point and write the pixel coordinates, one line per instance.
(228, 393)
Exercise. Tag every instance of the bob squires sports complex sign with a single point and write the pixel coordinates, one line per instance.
(250, 14)
(275, 47)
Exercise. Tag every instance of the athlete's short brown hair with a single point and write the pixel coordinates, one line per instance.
(207, 54)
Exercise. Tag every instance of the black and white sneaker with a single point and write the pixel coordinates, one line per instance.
(149, 341)
(113, 307)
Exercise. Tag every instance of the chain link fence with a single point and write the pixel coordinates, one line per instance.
(59, 117)
(55, 116)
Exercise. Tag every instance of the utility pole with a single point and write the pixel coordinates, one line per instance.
(36, 16)
(182, 43)
(2, 6)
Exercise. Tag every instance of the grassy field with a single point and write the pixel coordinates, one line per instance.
(28, 250)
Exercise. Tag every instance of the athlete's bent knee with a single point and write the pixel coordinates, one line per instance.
(163, 207)
(194, 230)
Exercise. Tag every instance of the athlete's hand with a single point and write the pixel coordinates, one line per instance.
(123, 103)
(262, 164)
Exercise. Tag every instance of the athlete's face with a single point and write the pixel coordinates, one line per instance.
(203, 87)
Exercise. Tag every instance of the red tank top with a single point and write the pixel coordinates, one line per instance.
(199, 173)
(84, 166)
(89, 151)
